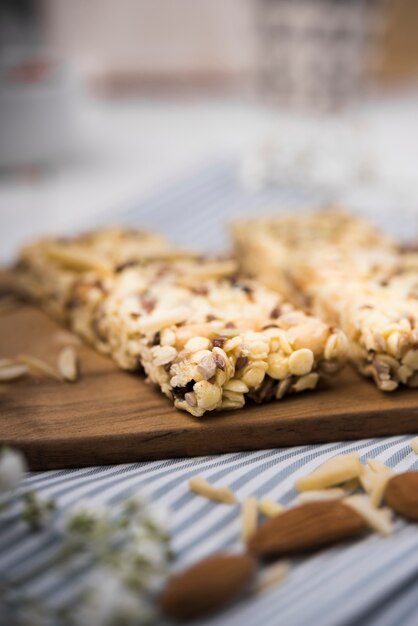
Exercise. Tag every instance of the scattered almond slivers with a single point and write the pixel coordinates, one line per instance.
(272, 576)
(378, 519)
(218, 494)
(249, 518)
(270, 508)
(38, 366)
(335, 471)
(67, 364)
(76, 258)
(12, 372)
(414, 445)
(335, 493)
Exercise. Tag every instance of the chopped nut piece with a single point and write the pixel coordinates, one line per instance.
(377, 519)
(249, 518)
(12, 372)
(333, 472)
(270, 508)
(414, 445)
(320, 495)
(67, 364)
(37, 366)
(218, 494)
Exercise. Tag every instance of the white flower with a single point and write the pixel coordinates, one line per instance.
(84, 516)
(12, 469)
(111, 603)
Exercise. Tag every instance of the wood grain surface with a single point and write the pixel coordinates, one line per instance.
(112, 416)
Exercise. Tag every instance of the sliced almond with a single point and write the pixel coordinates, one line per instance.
(12, 372)
(271, 576)
(379, 486)
(67, 364)
(321, 495)
(249, 518)
(378, 466)
(37, 366)
(377, 519)
(367, 479)
(218, 494)
(270, 508)
(207, 586)
(306, 527)
(414, 445)
(335, 471)
(401, 494)
(78, 259)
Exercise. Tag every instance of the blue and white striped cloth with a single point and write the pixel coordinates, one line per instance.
(371, 582)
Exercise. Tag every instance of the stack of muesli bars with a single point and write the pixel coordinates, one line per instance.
(207, 337)
(350, 275)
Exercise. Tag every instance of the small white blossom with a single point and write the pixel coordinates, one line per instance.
(84, 517)
(111, 603)
(12, 469)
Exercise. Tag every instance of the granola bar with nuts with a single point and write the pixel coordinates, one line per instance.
(350, 275)
(207, 338)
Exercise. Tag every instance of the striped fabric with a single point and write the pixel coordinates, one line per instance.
(371, 582)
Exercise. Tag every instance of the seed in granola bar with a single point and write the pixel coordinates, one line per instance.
(148, 304)
(211, 318)
(275, 313)
(218, 342)
(220, 361)
(241, 362)
(207, 367)
(156, 339)
(190, 398)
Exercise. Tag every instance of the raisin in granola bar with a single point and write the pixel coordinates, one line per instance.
(207, 338)
(348, 273)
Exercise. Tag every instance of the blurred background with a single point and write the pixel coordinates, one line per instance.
(183, 115)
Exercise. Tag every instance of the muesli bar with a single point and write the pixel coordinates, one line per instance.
(350, 275)
(208, 339)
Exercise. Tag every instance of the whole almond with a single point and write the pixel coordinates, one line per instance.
(206, 586)
(306, 527)
(401, 494)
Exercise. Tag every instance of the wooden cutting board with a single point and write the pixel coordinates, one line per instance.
(111, 416)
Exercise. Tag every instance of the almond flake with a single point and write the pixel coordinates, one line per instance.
(378, 519)
(221, 494)
(270, 508)
(37, 366)
(322, 494)
(378, 466)
(12, 372)
(414, 445)
(67, 364)
(78, 259)
(335, 471)
(249, 518)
